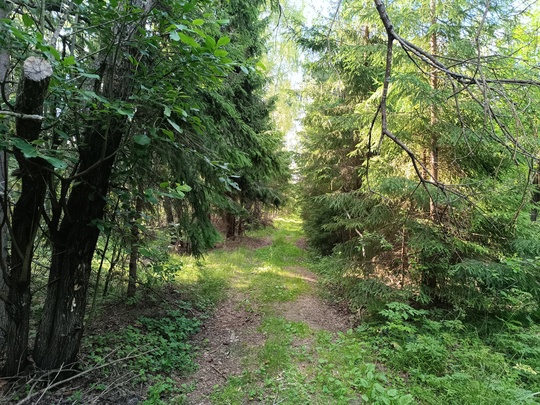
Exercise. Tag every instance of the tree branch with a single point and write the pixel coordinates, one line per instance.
(23, 116)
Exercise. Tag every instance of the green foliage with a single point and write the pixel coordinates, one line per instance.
(446, 360)
(155, 345)
(343, 282)
(469, 243)
(164, 386)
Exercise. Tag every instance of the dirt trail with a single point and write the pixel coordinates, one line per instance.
(233, 332)
(225, 338)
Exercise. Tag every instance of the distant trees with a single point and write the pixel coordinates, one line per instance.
(148, 102)
(421, 148)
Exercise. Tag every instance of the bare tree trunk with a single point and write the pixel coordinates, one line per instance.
(134, 254)
(4, 240)
(535, 199)
(230, 223)
(61, 327)
(167, 206)
(429, 278)
(26, 213)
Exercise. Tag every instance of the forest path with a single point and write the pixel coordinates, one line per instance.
(270, 325)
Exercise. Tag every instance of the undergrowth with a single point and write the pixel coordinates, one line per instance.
(450, 357)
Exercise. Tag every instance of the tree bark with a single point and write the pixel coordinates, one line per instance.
(134, 254)
(429, 278)
(61, 327)
(434, 141)
(4, 240)
(535, 198)
(26, 213)
(169, 215)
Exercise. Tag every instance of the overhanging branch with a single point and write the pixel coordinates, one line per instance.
(23, 116)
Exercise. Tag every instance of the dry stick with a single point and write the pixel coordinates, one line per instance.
(384, 122)
(118, 382)
(384, 119)
(334, 18)
(219, 372)
(43, 391)
(431, 60)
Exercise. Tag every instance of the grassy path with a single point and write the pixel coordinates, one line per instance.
(272, 340)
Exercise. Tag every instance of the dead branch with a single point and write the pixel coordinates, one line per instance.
(43, 391)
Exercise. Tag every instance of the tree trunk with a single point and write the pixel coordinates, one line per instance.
(4, 262)
(230, 224)
(26, 213)
(535, 199)
(4, 266)
(134, 254)
(429, 278)
(61, 326)
(167, 206)
(434, 146)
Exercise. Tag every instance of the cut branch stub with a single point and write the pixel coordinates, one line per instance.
(31, 93)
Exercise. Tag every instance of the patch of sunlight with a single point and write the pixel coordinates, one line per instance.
(241, 285)
(189, 274)
(262, 269)
(306, 277)
(288, 223)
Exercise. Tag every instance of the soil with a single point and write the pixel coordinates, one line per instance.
(224, 338)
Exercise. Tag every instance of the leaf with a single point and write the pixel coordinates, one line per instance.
(56, 163)
(167, 111)
(183, 188)
(188, 40)
(69, 61)
(141, 139)
(244, 69)
(150, 196)
(210, 42)
(89, 75)
(27, 149)
(175, 126)
(223, 41)
(170, 134)
(174, 36)
(27, 20)
(55, 54)
(220, 53)
(198, 22)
